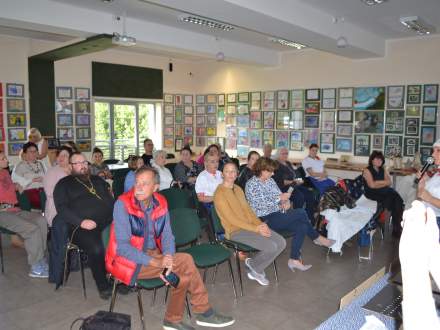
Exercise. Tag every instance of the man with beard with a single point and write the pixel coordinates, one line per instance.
(85, 202)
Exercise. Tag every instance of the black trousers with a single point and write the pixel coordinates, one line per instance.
(391, 201)
(91, 242)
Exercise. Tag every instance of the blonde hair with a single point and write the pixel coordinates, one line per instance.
(35, 132)
(157, 153)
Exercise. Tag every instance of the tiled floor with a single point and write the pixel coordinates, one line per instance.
(299, 301)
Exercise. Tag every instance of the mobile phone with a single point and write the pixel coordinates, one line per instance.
(290, 190)
(172, 278)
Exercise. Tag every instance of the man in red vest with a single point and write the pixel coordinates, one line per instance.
(142, 245)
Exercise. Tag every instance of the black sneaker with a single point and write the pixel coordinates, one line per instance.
(214, 320)
(106, 293)
(176, 326)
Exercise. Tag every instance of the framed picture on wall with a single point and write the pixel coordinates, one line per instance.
(188, 120)
(427, 135)
(344, 145)
(296, 141)
(14, 148)
(201, 141)
(200, 120)
(344, 130)
(168, 120)
(297, 99)
(178, 100)
(211, 120)
(361, 145)
(413, 110)
(313, 94)
(269, 100)
(200, 99)
(255, 140)
(83, 133)
(283, 100)
(281, 139)
(17, 119)
(200, 110)
(211, 131)
(15, 105)
(328, 98)
(178, 130)
(168, 142)
(394, 121)
(369, 121)
(412, 126)
(255, 100)
(268, 137)
(396, 97)
(65, 133)
(255, 119)
(188, 140)
(200, 131)
(187, 130)
(425, 152)
(188, 109)
(84, 145)
(296, 120)
(268, 120)
(231, 110)
(64, 92)
(345, 116)
(64, 106)
(413, 94)
(283, 119)
(429, 115)
(168, 109)
(211, 98)
(14, 134)
(328, 121)
(178, 144)
(14, 90)
(393, 146)
(311, 108)
(243, 136)
(311, 121)
(232, 98)
(369, 98)
(327, 144)
(211, 109)
(188, 99)
(243, 97)
(82, 107)
(243, 121)
(178, 116)
(345, 98)
(377, 142)
(82, 93)
(168, 98)
(82, 120)
(243, 109)
(221, 100)
(430, 93)
(168, 131)
(311, 136)
(411, 146)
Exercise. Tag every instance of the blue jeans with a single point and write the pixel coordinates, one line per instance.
(438, 224)
(296, 222)
(322, 185)
(303, 195)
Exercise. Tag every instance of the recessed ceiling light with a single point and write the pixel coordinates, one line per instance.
(288, 43)
(417, 24)
(206, 22)
(373, 2)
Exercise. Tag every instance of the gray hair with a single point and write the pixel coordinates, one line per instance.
(277, 153)
(157, 153)
(145, 169)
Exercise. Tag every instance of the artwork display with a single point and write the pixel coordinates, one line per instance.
(269, 100)
(14, 148)
(327, 144)
(188, 109)
(64, 93)
(311, 136)
(429, 115)
(232, 98)
(413, 110)
(178, 144)
(82, 93)
(178, 116)
(268, 137)
(268, 120)
(64, 106)
(361, 145)
(369, 121)
(211, 98)
(243, 97)
(344, 130)
(65, 133)
(82, 107)
(427, 135)
(411, 145)
(430, 93)
(83, 133)
(311, 121)
(221, 100)
(168, 131)
(296, 120)
(344, 145)
(377, 142)
(82, 120)
(15, 105)
(393, 146)
(14, 134)
(255, 139)
(14, 90)
(255, 101)
(281, 139)
(283, 120)
(231, 110)
(413, 94)
(328, 121)
(297, 99)
(394, 121)
(243, 121)
(345, 116)
(17, 120)
(242, 136)
(168, 98)
(313, 94)
(255, 119)
(345, 98)
(412, 126)
(84, 145)
(311, 108)
(283, 100)
(396, 97)
(243, 109)
(369, 98)
(328, 98)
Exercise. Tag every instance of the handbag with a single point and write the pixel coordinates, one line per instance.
(103, 320)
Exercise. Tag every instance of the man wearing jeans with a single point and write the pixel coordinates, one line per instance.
(142, 245)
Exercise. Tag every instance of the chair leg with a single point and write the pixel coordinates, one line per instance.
(141, 308)
(237, 259)
(1, 254)
(166, 295)
(66, 265)
(153, 298)
(204, 275)
(114, 294)
(214, 274)
(275, 270)
(231, 273)
(188, 310)
(81, 266)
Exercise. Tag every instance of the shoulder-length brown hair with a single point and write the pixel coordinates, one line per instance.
(264, 164)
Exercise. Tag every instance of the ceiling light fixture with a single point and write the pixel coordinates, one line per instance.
(208, 23)
(373, 2)
(417, 24)
(341, 42)
(123, 39)
(288, 43)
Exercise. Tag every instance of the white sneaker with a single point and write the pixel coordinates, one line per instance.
(248, 265)
(260, 278)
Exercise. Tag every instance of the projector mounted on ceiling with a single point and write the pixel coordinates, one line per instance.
(123, 40)
(417, 24)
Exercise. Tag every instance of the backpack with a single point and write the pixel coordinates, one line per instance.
(103, 320)
(334, 198)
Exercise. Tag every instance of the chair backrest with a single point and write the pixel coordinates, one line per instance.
(185, 225)
(111, 161)
(105, 235)
(216, 223)
(43, 199)
(176, 198)
(23, 202)
(118, 186)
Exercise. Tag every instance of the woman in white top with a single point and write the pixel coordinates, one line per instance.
(158, 162)
(29, 173)
(315, 171)
(34, 136)
(53, 175)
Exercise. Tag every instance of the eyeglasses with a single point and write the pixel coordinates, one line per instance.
(80, 163)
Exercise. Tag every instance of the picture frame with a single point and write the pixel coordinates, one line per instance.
(328, 100)
(327, 121)
(311, 108)
(412, 126)
(84, 145)
(255, 119)
(168, 109)
(269, 120)
(242, 136)
(411, 146)
(188, 120)
(243, 109)
(255, 100)
(82, 120)
(64, 120)
(200, 110)
(413, 94)
(242, 151)
(82, 107)
(427, 135)
(200, 99)
(83, 133)
(188, 130)
(222, 142)
(281, 139)
(394, 122)
(65, 133)
(243, 121)
(14, 90)
(297, 99)
(345, 97)
(243, 97)
(362, 145)
(377, 141)
(311, 121)
(188, 110)
(345, 116)
(425, 152)
(168, 131)
(14, 148)
(178, 115)
(231, 121)
(200, 131)
(369, 98)
(429, 114)
(393, 146)
(16, 120)
(188, 99)
(64, 92)
(64, 106)
(211, 131)
(178, 131)
(168, 120)
(188, 140)
(255, 138)
(395, 97)
(231, 109)
(168, 98)
(211, 120)
(313, 94)
(3, 137)
(268, 100)
(296, 141)
(221, 114)
(201, 141)
(82, 93)
(232, 98)
(327, 145)
(268, 137)
(231, 132)
(200, 121)
(296, 120)
(178, 100)
(369, 122)
(283, 120)
(211, 98)
(344, 145)
(430, 93)
(211, 109)
(311, 136)
(15, 105)
(221, 100)
(283, 100)
(168, 143)
(344, 130)
(413, 110)
(14, 134)
(178, 144)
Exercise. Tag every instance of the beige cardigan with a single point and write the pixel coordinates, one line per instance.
(234, 211)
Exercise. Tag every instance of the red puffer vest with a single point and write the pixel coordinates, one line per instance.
(121, 268)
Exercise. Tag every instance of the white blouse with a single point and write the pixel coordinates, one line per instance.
(166, 178)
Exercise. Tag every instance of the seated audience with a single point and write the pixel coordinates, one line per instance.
(242, 225)
(53, 175)
(158, 162)
(29, 173)
(286, 176)
(134, 162)
(214, 149)
(148, 151)
(246, 171)
(34, 136)
(136, 254)
(378, 188)
(273, 207)
(267, 150)
(208, 180)
(98, 167)
(187, 170)
(85, 202)
(31, 226)
(314, 168)
(72, 145)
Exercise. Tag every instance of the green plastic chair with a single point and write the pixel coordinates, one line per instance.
(5, 231)
(118, 185)
(176, 198)
(236, 246)
(186, 229)
(23, 202)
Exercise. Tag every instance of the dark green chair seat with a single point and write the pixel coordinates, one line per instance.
(150, 284)
(3, 230)
(24, 202)
(177, 198)
(208, 255)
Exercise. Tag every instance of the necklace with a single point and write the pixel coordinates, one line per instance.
(91, 189)
(36, 169)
